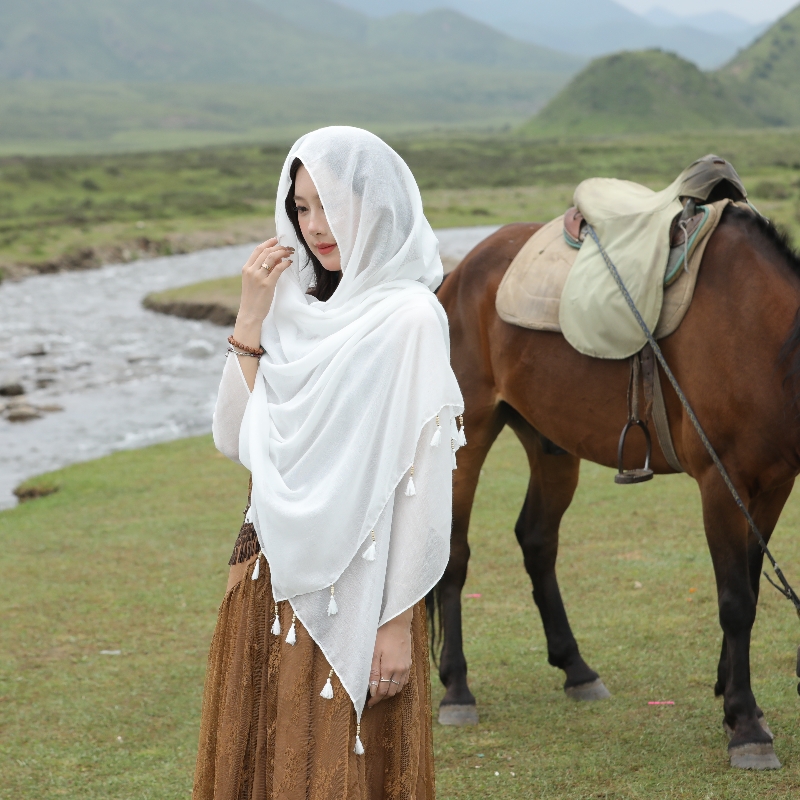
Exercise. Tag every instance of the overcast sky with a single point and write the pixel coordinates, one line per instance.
(753, 10)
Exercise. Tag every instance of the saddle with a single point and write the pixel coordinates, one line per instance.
(650, 236)
(558, 282)
(707, 180)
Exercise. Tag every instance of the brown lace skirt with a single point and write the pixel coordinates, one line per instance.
(266, 734)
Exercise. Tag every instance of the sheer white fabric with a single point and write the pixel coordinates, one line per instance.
(229, 410)
(344, 392)
(412, 547)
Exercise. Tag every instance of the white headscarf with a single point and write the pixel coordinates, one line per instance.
(347, 385)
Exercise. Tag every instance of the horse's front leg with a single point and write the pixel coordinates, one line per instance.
(729, 541)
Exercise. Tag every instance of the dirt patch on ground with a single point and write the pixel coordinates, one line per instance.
(213, 312)
(216, 301)
(31, 491)
(139, 247)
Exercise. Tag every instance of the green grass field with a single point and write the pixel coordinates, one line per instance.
(85, 210)
(130, 554)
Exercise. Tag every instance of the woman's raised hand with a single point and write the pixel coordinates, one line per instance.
(259, 276)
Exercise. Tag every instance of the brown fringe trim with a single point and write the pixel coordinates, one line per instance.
(247, 541)
(246, 545)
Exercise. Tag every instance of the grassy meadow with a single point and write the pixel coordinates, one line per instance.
(80, 211)
(130, 556)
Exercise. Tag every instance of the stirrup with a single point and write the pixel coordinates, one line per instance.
(628, 476)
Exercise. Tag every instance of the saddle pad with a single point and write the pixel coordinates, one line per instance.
(530, 292)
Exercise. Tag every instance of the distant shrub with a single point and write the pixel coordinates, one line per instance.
(90, 185)
(771, 190)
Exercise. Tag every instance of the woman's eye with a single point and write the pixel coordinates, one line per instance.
(301, 209)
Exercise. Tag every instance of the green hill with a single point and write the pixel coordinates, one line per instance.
(448, 36)
(105, 74)
(216, 41)
(766, 76)
(640, 92)
(267, 42)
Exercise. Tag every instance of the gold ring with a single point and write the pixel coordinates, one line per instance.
(267, 267)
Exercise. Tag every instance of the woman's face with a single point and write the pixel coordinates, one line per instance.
(314, 224)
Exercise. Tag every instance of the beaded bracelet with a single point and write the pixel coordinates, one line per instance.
(249, 350)
(242, 353)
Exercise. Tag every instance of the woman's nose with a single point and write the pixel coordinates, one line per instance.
(317, 223)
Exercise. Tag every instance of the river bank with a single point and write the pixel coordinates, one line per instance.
(121, 376)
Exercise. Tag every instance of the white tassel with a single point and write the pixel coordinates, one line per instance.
(462, 436)
(276, 623)
(453, 450)
(327, 689)
(359, 748)
(411, 490)
(291, 637)
(437, 436)
(257, 570)
(332, 607)
(369, 553)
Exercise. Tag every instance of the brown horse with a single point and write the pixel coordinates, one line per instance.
(737, 357)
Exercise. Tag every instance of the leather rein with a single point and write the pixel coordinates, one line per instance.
(785, 588)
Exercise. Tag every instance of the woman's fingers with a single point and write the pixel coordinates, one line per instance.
(268, 260)
(259, 249)
(275, 256)
(374, 675)
(280, 267)
(388, 684)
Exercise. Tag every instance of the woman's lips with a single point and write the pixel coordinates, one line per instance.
(325, 248)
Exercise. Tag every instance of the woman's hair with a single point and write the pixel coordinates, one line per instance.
(325, 281)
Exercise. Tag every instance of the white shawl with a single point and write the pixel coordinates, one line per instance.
(341, 398)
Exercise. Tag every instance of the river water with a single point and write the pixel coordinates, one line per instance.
(124, 376)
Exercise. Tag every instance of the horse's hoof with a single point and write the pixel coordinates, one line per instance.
(595, 690)
(764, 726)
(458, 715)
(754, 756)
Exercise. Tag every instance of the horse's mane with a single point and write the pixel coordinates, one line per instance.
(780, 242)
(777, 237)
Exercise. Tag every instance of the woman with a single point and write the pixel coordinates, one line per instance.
(338, 396)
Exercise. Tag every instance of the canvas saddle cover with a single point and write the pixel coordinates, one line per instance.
(553, 286)
(532, 292)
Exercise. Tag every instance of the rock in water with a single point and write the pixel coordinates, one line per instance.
(20, 410)
(11, 389)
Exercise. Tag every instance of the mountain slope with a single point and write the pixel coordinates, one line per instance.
(272, 42)
(152, 40)
(446, 35)
(115, 70)
(766, 76)
(581, 27)
(720, 23)
(641, 92)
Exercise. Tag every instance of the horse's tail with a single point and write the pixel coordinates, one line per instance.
(433, 605)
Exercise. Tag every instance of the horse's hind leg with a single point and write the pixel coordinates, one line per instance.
(458, 704)
(733, 552)
(553, 481)
(765, 510)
